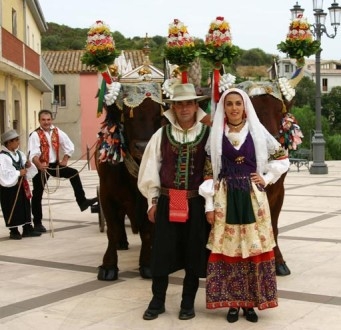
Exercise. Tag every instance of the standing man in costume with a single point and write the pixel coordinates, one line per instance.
(45, 144)
(171, 171)
(15, 191)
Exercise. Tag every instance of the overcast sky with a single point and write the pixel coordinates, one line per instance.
(254, 23)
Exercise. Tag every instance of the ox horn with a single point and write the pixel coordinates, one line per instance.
(296, 77)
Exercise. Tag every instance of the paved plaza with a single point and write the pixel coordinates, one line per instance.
(50, 282)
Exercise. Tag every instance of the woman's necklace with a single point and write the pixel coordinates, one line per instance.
(233, 126)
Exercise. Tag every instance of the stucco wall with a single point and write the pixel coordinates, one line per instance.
(90, 123)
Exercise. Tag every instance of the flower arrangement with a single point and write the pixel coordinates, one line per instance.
(218, 50)
(100, 48)
(100, 53)
(180, 48)
(290, 133)
(218, 46)
(299, 41)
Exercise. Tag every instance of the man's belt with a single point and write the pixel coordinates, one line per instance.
(190, 193)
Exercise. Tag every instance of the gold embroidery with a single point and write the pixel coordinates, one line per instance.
(239, 159)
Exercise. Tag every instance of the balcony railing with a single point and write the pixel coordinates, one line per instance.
(23, 62)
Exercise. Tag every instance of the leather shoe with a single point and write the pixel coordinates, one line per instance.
(30, 232)
(152, 314)
(232, 315)
(250, 315)
(282, 269)
(40, 228)
(14, 235)
(87, 202)
(186, 314)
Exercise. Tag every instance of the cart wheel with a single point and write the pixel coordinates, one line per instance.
(101, 218)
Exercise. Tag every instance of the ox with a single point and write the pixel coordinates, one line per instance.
(129, 124)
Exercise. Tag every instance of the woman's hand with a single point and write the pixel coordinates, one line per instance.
(257, 179)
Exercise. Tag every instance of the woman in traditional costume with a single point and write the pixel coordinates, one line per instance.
(245, 159)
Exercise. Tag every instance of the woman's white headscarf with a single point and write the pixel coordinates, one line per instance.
(263, 141)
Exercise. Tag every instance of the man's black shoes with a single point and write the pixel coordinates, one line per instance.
(15, 235)
(39, 228)
(87, 203)
(152, 314)
(29, 231)
(186, 314)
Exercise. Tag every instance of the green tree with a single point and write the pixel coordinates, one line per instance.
(334, 146)
(305, 93)
(331, 108)
(306, 119)
(51, 42)
(254, 57)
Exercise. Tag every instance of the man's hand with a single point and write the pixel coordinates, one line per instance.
(23, 172)
(151, 214)
(64, 161)
(210, 217)
(41, 166)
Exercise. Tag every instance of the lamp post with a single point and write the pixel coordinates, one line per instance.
(318, 29)
(54, 108)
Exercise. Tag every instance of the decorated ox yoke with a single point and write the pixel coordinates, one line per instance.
(112, 142)
(132, 95)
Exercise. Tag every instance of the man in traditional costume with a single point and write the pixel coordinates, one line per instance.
(45, 144)
(15, 191)
(171, 171)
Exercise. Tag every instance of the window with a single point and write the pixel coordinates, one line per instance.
(14, 22)
(325, 85)
(287, 68)
(60, 95)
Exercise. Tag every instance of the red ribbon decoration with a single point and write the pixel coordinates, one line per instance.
(216, 78)
(106, 76)
(184, 77)
(27, 189)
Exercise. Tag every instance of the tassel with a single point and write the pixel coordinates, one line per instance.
(131, 113)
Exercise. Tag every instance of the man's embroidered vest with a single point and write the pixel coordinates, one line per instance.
(44, 144)
(182, 163)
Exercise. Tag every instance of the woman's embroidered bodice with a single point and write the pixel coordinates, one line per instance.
(238, 164)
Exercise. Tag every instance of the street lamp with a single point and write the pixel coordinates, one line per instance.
(318, 29)
(54, 108)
